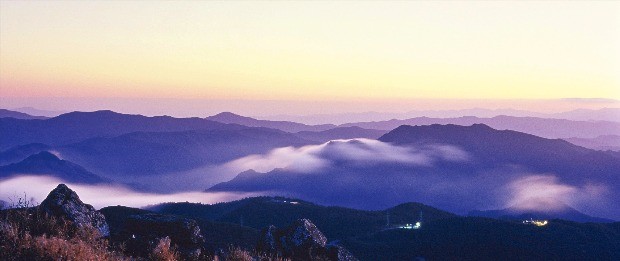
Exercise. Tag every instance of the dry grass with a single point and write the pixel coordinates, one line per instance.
(163, 251)
(26, 234)
(239, 254)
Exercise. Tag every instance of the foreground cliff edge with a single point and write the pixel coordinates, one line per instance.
(63, 227)
(274, 228)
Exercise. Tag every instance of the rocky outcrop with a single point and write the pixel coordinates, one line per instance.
(267, 240)
(302, 240)
(65, 203)
(335, 252)
(142, 232)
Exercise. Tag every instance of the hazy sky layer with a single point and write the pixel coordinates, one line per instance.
(349, 52)
(260, 108)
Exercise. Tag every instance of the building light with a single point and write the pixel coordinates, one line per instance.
(538, 223)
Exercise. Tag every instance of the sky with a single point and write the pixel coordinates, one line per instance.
(307, 57)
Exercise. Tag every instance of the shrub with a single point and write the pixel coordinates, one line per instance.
(238, 254)
(163, 251)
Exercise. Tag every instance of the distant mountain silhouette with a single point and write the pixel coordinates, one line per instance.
(19, 153)
(491, 146)
(77, 126)
(175, 145)
(318, 133)
(604, 142)
(46, 163)
(4, 113)
(340, 133)
(566, 213)
(39, 112)
(495, 160)
(546, 128)
(604, 114)
(352, 117)
(150, 153)
(229, 117)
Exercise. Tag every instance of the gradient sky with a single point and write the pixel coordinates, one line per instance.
(309, 51)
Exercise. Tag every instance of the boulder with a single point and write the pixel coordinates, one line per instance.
(65, 203)
(267, 240)
(335, 252)
(302, 240)
(302, 237)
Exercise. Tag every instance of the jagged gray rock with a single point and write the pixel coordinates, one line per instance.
(267, 242)
(64, 202)
(302, 240)
(339, 253)
(302, 236)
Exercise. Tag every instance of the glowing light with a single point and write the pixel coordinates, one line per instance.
(538, 223)
(417, 225)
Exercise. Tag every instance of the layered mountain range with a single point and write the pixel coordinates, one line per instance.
(459, 164)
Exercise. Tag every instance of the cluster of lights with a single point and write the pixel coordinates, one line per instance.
(417, 225)
(538, 223)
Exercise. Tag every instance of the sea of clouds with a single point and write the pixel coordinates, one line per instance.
(504, 189)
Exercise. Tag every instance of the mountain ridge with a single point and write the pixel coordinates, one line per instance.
(77, 126)
(542, 127)
(229, 117)
(48, 164)
(4, 113)
(478, 160)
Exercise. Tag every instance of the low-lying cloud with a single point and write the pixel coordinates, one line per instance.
(539, 192)
(547, 193)
(353, 151)
(36, 188)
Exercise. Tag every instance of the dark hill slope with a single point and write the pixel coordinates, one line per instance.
(442, 236)
(334, 222)
(45, 163)
(19, 153)
(217, 235)
(469, 238)
(490, 146)
(148, 153)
